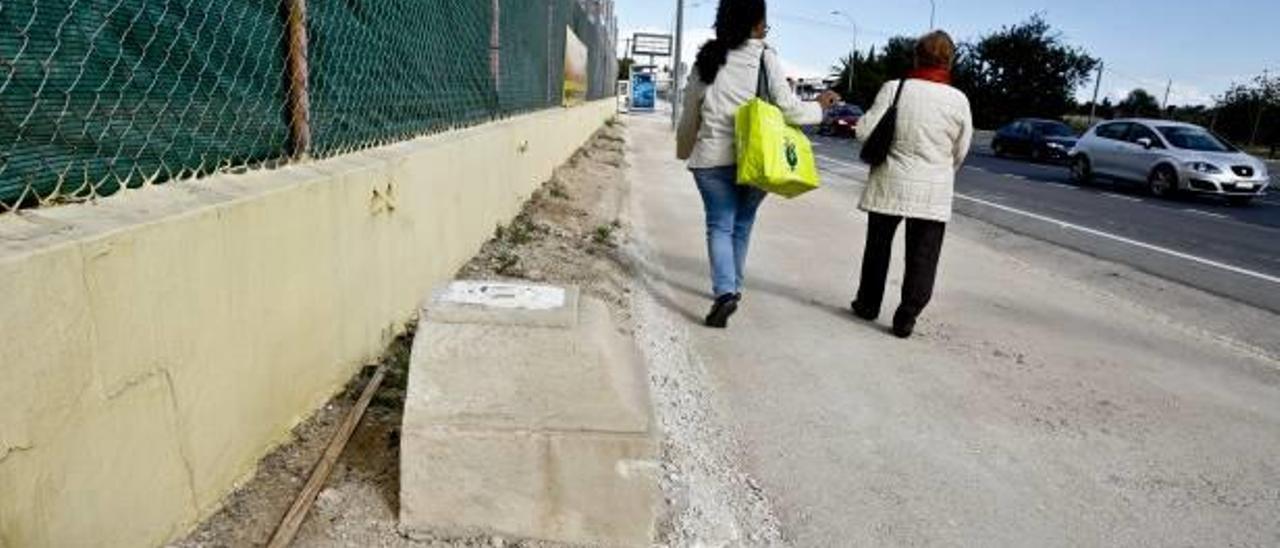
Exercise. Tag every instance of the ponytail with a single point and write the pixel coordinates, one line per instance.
(713, 55)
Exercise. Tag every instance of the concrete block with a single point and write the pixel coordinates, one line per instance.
(498, 303)
(523, 428)
(578, 487)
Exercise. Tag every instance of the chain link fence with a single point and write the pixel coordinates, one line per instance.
(100, 95)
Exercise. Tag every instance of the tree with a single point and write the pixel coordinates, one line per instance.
(1022, 70)
(867, 76)
(872, 70)
(1140, 103)
(1250, 113)
(624, 68)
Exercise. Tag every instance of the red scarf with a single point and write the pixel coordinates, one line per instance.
(932, 74)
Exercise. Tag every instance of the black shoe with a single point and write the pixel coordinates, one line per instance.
(864, 312)
(724, 307)
(903, 326)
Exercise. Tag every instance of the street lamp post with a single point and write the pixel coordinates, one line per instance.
(853, 53)
(933, 12)
(676, 100)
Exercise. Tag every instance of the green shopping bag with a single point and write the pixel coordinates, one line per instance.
(772, 155)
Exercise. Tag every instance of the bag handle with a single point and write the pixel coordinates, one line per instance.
(897, 95)
(763, 90)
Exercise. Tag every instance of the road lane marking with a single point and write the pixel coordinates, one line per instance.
(842, 163)
(1121, 197)
(1208, 213)
(1121, 239)
(1060, 185)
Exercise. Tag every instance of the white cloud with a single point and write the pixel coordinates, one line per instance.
(1117, 87)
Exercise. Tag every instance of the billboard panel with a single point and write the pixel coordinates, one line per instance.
(644, 91)
(657, 45)
(575, 69)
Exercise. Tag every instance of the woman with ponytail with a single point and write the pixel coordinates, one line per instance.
(725, 76)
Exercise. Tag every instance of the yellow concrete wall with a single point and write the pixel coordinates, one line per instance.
(155, 345)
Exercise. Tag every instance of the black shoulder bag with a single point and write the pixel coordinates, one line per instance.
(763, 90)
(876, 150)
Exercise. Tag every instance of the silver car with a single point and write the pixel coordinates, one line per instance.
(1169, 157)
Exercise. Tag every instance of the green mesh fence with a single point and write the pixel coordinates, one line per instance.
(99, 95)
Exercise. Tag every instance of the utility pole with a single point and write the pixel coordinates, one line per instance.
(1165, 107)
(1262, 107)
(675, 72)
(853, 52)
(1097, 86)
(933, 12)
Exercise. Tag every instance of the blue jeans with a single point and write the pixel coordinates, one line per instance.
(731, 212)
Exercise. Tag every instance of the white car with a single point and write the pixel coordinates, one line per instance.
(1169, 157)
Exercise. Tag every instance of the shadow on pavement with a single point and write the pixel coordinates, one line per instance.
(678, 269)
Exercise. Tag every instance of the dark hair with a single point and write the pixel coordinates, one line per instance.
(735, 21)
(935, 50)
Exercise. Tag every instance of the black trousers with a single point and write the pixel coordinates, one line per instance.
(924, 246)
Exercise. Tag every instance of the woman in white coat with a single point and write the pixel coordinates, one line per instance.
(725, 77)
(934, 130)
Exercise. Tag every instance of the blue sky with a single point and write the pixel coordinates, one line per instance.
(1202, 46)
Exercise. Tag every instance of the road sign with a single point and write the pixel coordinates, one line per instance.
(657, 45)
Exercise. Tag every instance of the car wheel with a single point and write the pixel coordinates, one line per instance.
(1163, 182)
(1082, 170)
(1037, 155)
(1240, 201)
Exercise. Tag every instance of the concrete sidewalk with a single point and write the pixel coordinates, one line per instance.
(1030, 409)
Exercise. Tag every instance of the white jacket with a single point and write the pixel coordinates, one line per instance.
(935, 128)
(735, 85)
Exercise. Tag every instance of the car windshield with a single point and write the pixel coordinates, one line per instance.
(1054, 130)
(1193, 138)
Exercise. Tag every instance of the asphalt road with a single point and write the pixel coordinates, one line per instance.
(1203, 242)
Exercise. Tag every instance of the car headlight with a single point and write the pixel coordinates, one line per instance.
(1203, 167)
(1055, 146)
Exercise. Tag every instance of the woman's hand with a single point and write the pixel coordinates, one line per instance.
(828, 99)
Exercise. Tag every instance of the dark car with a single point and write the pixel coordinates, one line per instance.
(1040, 140)
(840, 121)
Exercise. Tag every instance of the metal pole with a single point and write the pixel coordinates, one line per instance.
(299, 99)
(1097, 86)
(675, 71)
(852, 54)
(1262, 107)
(1167, 89)
(853, 62)
(933, 12)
